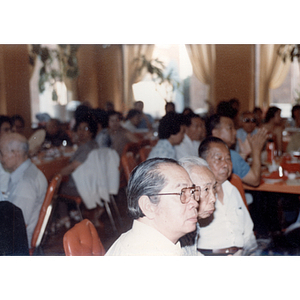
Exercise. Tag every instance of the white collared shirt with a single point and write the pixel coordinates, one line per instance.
(231, 224)
(143, 240)
(187, 147)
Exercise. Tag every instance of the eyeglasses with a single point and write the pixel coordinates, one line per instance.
(185, 194)
(248, 120)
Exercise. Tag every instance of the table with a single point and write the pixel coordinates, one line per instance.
(52, 167)
(280, 187)
(286, 186)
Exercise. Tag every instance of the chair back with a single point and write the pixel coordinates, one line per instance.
(144, 152)
(237, 182)
(128, 162)
(45, 213)
(83, 240)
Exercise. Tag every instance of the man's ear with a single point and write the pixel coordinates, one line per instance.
(147, 207)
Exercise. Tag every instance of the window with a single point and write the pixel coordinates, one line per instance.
(284, 97)
(192, 93)
(43, 102)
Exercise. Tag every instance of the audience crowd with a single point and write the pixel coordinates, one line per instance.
(192, 159)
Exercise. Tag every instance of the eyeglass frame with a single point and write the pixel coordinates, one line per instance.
(248, 120)
(194, 187)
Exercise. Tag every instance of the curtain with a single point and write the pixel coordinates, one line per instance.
(203, 59)
(130, 69)
(31, 67)
(273, 72)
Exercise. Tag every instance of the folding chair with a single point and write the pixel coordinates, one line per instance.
(45, 214)
(83, 240)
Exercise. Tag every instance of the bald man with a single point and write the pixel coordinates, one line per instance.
(27, 184)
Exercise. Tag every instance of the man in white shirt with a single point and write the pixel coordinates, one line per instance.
(229, 230)
(27, 185)
(195, 132)
(163, 203)
(5, 128)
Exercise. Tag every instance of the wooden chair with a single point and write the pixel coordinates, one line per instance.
(45, 213)
(144, 152)
(83, 240)
(237, 182)
(128, 162)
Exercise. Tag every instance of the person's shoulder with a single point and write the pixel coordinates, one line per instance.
(32, 173)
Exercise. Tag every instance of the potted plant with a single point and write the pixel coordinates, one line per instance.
(57, 64)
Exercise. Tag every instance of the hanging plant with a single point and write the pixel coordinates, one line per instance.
(57, 64)
(290, 51)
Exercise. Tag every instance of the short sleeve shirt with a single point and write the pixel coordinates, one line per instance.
(239, 166)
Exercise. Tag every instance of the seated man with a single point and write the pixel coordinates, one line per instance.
(230, 229)
(195, 132)
(147, 120)
(5, 128)
(55, 135)
(27, 185)
(163, 203)
(133, 118)
(202, 176)
(223, 128)
(170, 134)
(248, 123)
(102, 136)
(294, 143)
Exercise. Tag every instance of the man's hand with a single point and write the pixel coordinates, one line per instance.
(258, 140)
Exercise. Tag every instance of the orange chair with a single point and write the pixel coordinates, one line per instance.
(144, 152)
(237, 182)
(45, 213)
(83, 240)
(128, 162)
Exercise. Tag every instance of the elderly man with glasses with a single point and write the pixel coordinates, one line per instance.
(163, 202)
(248, 123)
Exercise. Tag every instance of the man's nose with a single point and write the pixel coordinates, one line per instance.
(193, 203)
(212, 198)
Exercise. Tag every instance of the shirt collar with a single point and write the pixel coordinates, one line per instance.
(17, 174)
(161, 241)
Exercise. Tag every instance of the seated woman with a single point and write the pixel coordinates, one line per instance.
(86, 130)
(273, 124)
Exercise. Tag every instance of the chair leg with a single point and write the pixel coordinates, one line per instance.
(79, 210)
(110, 216)
(113, 201)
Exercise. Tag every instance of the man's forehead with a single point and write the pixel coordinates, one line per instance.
(216, 148)
(174, 173)
(201, 171)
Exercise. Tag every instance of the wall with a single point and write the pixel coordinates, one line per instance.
(234, 77)
(101, 72)
(14, 83)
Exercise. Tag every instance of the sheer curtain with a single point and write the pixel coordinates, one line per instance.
(130, 66)
(273, 71)
(203, 59)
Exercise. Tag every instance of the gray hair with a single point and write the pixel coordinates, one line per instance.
(17, 142)
(189, 162)
(146, 179)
